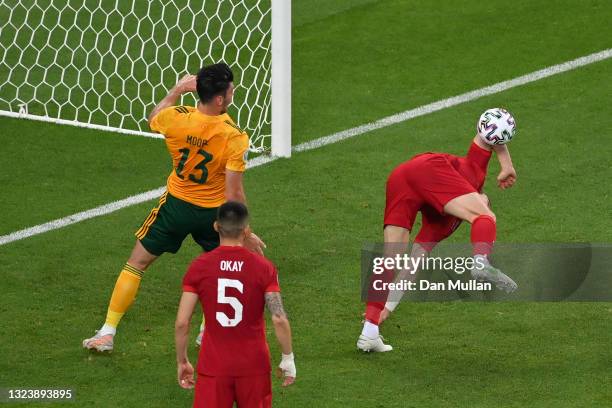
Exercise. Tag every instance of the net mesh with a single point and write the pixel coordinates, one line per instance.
(109, 62)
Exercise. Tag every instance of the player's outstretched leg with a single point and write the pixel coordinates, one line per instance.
(122, 298)
(474, 209)
(482, 236)
(396, 240)
(370, 338)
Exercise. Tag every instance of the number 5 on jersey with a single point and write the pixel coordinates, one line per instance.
(222, 318)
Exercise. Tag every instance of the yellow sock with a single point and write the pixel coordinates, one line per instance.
(123, 294)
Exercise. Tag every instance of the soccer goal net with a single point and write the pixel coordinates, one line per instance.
(104, 64)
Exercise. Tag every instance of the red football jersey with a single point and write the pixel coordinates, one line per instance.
(435, 226)
(231, 282)
(473, 166)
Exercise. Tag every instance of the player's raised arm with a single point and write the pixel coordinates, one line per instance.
(186, 84)
(181, 334)
(282, 329)
(507, 174)
(495, 128)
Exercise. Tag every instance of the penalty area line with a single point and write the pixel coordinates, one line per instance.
(326, 140)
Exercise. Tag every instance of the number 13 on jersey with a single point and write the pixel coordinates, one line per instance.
(200, 166)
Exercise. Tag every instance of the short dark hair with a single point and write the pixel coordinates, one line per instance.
(232, 219)
(213, 80)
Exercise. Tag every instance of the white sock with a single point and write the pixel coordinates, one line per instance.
(370, 330)
(107, 329)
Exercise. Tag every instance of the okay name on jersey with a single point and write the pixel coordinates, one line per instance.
(231, 266)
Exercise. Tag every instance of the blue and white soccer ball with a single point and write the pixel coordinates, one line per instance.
(496, 126)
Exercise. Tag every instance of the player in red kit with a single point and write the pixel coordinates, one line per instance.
(446, 190)
(233, 285)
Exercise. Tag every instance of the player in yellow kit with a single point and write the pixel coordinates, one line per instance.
(208, 159)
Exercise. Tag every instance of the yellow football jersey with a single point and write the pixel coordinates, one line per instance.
(202, 147)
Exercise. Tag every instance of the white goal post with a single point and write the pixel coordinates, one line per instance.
(104, 64)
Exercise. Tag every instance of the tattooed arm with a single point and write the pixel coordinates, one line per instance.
(282, 329)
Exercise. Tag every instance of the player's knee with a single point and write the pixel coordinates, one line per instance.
(139, 262)
(486, 212)
(480, 211)
(490, 213)
(484, 208)
(486, 200)
(393, 233)
(141, 258)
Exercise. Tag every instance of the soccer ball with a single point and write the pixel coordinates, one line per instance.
(496, 126)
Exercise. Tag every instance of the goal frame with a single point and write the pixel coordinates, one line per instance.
(280, 89)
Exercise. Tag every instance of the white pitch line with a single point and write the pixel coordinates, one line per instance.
(455, 100)
(82, 216)
(326, 140)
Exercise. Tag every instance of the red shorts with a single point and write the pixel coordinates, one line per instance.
(221, 392)
(435, 227)
(426, 179)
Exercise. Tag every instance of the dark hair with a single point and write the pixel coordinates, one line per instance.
(232, 219)
(213, 80)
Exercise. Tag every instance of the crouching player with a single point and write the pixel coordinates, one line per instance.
(233, 284)
(446, 190)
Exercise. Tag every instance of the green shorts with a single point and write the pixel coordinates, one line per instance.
(166, 227)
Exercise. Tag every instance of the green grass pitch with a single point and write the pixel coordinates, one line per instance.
(353, 62)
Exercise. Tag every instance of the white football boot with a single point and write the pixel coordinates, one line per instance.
(374, 344)
(99, 342)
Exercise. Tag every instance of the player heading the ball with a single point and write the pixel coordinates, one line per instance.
(233, 285)
(446, 190)
(207, 150)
